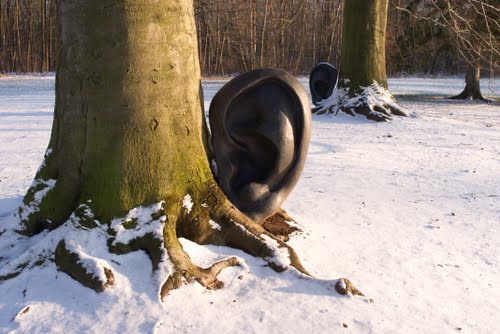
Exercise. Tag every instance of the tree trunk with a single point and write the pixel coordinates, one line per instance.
(363, 71)
(17, 29)
(43, 34)
(129, 131)
(363, 42)
(472, 90)
(4, 66)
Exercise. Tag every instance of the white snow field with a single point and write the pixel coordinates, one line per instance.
(408, 210)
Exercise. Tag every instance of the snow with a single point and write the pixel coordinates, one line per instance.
(92, 265)
(45, 187)
(281, 256)
(214, 225)
(141, 218)
(187, 203)
(375, 96)
(408, 210)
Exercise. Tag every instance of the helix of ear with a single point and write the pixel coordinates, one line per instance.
(261, 127)
(322, 81)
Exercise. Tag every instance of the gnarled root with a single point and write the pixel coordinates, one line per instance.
(71, 263)
(219, 222)
(374, 102)
(207, 277)
(345, 287)
(185, 270)
(204, 218)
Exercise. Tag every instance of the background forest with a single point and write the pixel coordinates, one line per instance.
(423, 36)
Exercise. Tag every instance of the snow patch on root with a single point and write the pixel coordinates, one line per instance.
(89, 260)
(82, 247)
(40, 248)
(281, 256)
(144, 223)
(41, 188)
(379, 103)
(214, 225)
(138, 222)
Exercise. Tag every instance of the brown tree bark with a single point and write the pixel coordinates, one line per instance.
(129, 130)
(472, 90)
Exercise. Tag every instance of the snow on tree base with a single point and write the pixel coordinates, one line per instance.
(374, 101)
(86, 249)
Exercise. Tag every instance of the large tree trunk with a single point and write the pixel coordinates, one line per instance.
(472, 90)
(129, 131)
(363, 84)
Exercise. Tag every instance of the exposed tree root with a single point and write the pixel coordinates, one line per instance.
(213, 220)
(70, 263)
(207, 277)
(374, 102)
(472, 89)
(345, 287)
(280, 226)
(205, 218)
(468, 94)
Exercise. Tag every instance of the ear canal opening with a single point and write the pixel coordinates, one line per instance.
(254, 160)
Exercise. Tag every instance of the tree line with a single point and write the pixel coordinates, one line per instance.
(28, 35)
(236, 36)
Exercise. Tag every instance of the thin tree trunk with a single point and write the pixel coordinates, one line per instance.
(263, 35)
(43, 33)
(3, 34)
(29, 53)
(313, 42)
(17, 29)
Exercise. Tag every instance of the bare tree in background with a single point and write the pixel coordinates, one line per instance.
(233, 35)
(363, 86)
(236, 36)
(474, 29)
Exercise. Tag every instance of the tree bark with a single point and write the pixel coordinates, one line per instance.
(472, 90)
(363, 42)
(363, 70)
(129, 130)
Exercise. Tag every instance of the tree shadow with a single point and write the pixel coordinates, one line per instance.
(9, 204)
(442, 99)
(27, 114)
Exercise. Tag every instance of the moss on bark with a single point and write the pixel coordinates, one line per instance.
(129, 130)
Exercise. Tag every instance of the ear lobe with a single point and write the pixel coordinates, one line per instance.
(261, 126)
(322, 82)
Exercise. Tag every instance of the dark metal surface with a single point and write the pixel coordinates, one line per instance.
(261, 126)
(322, 82)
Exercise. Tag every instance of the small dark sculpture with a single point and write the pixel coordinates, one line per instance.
(261, 126)
(322, 82)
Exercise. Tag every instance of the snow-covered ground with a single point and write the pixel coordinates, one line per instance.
(409, 210)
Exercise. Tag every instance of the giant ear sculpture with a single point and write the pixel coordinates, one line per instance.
(261, 126)
(322, 82)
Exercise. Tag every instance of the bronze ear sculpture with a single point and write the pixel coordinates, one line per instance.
(322, 82)
(261, 126)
